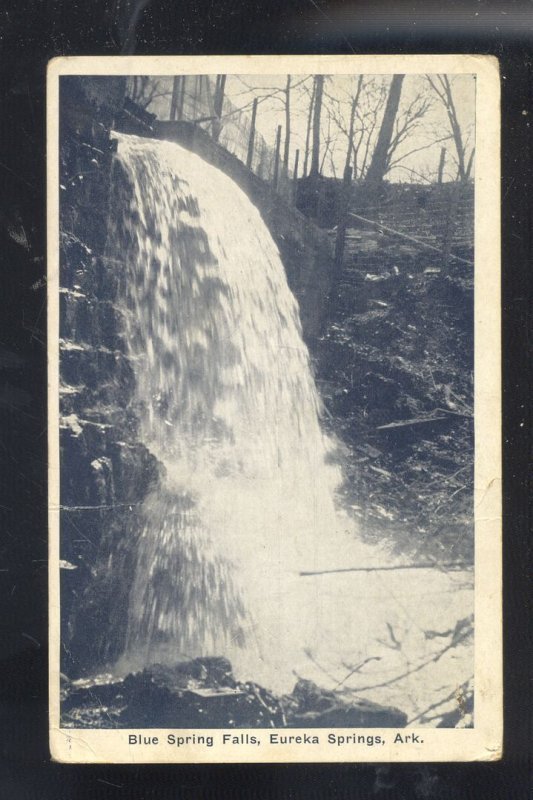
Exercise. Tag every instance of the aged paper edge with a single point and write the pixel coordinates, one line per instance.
(484, 741)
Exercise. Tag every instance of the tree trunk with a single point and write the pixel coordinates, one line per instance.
(442, 161)
(275, 177)
(353, 109)
(287, 126)
(469, 165)
(443, 89)
(181, 98)
(317, 111)
(308, 131)
(218, 102)
(251, 140)
(456, 129)
(219, 94)
(380, 159)
(175, 94)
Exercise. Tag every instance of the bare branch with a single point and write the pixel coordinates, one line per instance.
(442, 87)
(448, 697)
(418, 149)
(465, 634)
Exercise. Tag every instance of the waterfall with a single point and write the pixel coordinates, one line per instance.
(225, 399)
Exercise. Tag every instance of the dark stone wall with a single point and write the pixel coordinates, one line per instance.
(105, 471)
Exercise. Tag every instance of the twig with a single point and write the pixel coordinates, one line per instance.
(461, 488)
(435, 658)
(357, 669)
(440, 702)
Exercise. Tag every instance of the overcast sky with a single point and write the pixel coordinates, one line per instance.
(339, 89)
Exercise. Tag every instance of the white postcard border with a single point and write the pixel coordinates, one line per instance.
(484, 741)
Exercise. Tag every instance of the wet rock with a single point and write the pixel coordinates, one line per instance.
(310, 706)
(201, 693)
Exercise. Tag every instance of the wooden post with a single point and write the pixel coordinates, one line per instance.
(441, 164)
(343, 218)
(295, 178)
(261, 161)
(276, 159)
(251, 140)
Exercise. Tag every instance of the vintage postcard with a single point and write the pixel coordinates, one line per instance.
(274, 409)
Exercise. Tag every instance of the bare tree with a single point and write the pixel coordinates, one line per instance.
(407, 121)
(442, 87)
(381, 156)
(351, 130)
(337, 114)
(144, 89)
(359, 122)
(371, 125)
(287, 144)
(329, 140)
(317, 111)
(218, 102)
(308, 129)
(177, 84)
(377, 99)
(275, 93)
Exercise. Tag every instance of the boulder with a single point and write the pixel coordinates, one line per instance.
(310, 706)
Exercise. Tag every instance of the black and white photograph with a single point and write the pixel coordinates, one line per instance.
(274, 410)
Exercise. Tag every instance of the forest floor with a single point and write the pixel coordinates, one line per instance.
(395, 370)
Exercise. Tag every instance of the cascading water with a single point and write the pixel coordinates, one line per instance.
(225, 399)
(221, 392)
(227, 402)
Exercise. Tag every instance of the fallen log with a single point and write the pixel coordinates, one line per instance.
(425, 565)
(413, 239)
(409, 423)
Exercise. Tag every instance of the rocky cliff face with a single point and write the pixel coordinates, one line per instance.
(105, 470)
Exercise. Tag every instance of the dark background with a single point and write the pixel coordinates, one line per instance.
(33, 32)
